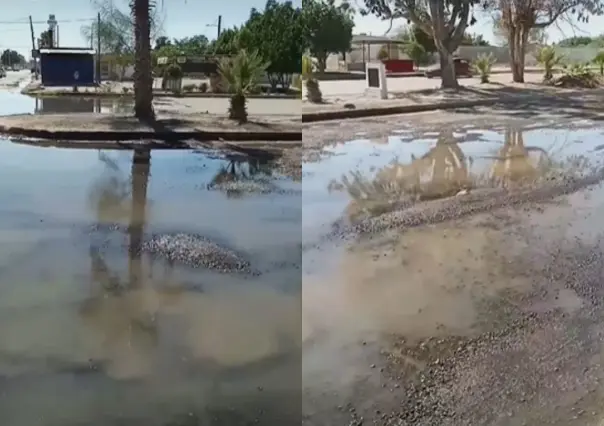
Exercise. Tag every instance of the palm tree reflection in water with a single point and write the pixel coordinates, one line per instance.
(242, 175)
(123, 314)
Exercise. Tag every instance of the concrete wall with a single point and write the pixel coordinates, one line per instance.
(578, 54)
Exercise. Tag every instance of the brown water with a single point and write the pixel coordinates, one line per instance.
(93, 334)
(432, 280)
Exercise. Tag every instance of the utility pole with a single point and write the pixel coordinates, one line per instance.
(33, 47)
(98, 48)
(218, 25)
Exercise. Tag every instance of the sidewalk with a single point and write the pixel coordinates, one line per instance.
(426, 100)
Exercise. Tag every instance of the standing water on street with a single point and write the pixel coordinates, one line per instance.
(445, 266)
(147, 288)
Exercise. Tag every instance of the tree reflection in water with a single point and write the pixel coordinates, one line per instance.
(514, 166)
(441, 172)
(445, 171)
(123, 313)
(241, 175)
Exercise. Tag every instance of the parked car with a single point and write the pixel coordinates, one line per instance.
(463, 68)
(2, 72)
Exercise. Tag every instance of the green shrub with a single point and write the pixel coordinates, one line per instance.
(483, 65)
(548, 57)
(173, 71)
(188, 88)
(599, 61)
(203, 87)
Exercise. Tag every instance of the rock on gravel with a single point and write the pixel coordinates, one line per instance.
(196, 251)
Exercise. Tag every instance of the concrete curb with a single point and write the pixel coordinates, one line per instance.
(50, 94)
(398, 109)
(165, 136)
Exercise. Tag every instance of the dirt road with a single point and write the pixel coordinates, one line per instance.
(491, 317)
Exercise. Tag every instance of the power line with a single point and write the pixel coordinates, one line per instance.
(62, 21)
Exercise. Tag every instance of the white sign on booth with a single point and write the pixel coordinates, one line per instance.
(375, 77)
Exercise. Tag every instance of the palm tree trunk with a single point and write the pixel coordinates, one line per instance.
(143, 78)
(141, 164)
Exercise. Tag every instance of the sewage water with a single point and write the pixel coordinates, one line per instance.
(96, 331)
(428, 281)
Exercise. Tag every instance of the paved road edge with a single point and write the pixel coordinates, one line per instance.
(340, 114)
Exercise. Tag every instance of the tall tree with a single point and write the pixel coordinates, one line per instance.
(519, 17)
(329, 28)
(445, 20)
(277, 34)
(11, 57)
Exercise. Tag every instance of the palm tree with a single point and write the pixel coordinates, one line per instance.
(143, 67)
(549, 58)
(242, 75)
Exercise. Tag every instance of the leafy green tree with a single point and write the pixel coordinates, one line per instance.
(329, 29)
(517, 19)
(414, 34)
(11, 57)
(227, 43)
(45, 39)
(445, 21)
(161, 42)
(576, 41)
(474, 40)
(277, 34)
(193, 46)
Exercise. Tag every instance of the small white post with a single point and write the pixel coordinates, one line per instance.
(375, 77)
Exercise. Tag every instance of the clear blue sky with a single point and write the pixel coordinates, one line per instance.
(182, 18)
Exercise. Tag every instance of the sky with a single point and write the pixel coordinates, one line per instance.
(556, 32)
(184, 18)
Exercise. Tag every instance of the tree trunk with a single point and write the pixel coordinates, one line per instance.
(141, 164)
(321, 61)
(518, 36)
(143, 78)
(447, 67)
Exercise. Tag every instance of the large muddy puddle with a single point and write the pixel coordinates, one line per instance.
(440, 279)
(152, 288)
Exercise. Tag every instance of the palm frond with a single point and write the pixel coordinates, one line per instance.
(243, 72)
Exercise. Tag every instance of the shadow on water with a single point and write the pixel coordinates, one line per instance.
(96, 329)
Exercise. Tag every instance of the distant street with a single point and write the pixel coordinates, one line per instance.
(14, 78)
